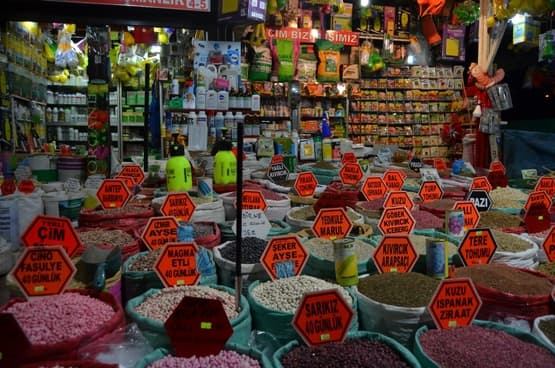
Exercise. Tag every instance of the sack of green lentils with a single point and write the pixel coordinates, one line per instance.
(544, 329)
(275, 302)
(484, 344)
(365, 348)
(151, 310)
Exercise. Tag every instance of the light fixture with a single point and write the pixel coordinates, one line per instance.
(155, 49)
(364, 3)
(518, 18)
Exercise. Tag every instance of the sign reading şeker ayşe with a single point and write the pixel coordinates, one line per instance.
(284, 256)
(187, 5)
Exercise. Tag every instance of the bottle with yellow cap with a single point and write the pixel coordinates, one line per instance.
(178, 168)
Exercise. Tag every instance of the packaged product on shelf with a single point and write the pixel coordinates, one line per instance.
(329, 61)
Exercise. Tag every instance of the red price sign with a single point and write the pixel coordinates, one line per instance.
(396, 220)
(471, 213)
(284, 257)
(455, 303)
(306, 184)
(253, 200)
(547, 184)
(51, 230)
(477, 247)
(177, 265)
(480, 183)
(394, 179)
(548, 245)
(113, 193)
(373, 188)
(351, 174)
(332, 223)
(430, 191)
(538, 198)
(129, 182)
(159, 231)
(395, 253)
(134, 171)
(398, 199)
(8, 186)
(497, 166)
(180, 205)
(348, 157)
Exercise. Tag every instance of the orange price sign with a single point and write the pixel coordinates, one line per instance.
(538, 198)
(497, 166)
(395, 253)
(548, 245)
(134, 171)
(254, 200)
(332, 223)
(430, 191)
(455, 303)
(113, 193)
(394, 179)
(51, 230)
(159, 231)
(306, 184)
(480, 183)
(348, 157)
(398, 198)
(477, 247)
(471, 213)
(396, 220)
(26, 186)
(177, 264)
(440, 164)
(284, 257)
(43, 271)
(180, 205)
(321, 308)
(128, 180)
(351, 173)
(373, 188)
(547, 184)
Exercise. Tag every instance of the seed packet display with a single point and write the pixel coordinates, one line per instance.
(329, 60)
(261, 65)
(284, 54)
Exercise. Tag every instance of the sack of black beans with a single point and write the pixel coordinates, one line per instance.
(483, 344)
(151, 310)
(544, 329)
(359, 349)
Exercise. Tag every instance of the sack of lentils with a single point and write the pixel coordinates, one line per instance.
(483, 344)
(508, 291)
(125, 217)
(544, 329)
(151, 310)
(359, 350)
(274, 304)
(58, 325)
(395, 304)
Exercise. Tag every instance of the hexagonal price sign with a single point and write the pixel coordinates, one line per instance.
(547, 184)
(113, 193)
(373, 188)
(477, 247)
(430, 191)
(134, 171)
(471, 213)
(548, 245)
(539, 198)
(497, 166)
(129, 181)
(481, 199)
(26, 186)
(284, 256)
(398, 198)
(396, 220)
(395, 253)
(394, 179)
(306, 184)
(332, 223)
(180, 205)
(51, 230)
(253, 200)
(43, 271)
(177, 264)
(481, 183)
(198, 326)
(348, 157)
(351, 173)
(159, 231)
(323, 308)
(455, 303)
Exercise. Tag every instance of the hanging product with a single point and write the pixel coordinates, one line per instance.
(285, 54)
(329, 60)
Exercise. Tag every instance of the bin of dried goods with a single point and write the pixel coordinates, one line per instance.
(544, 329)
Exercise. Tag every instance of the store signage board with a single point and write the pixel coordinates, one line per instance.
(373, 188)
(129, 182)
(160, 231)
(398, 198)
(430, 191)
(394, 179)
(134, 171)
(537, 218)
(455, 303)
(547, 184)
(481, 199)
(323, 308)
(284, 256)
(309, 35)
(332, 223)
(396, 220)
(179, 205)
(177, 265)
(113, 193)
(198, 327)
(395, 253)
(277, 172)
(305, 184)
(481, 183)
(50, 231)
(348, 157)
(253, 200)
(14, 344)
(187, 5)
(26, 186)
(477, 247)
(538, 198)
(471, 213)
(255, 223)
(351, 173)
(43, 271)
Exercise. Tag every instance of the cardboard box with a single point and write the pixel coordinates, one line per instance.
(350, 72)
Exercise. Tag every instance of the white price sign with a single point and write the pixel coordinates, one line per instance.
(198, 5)
(255, 223)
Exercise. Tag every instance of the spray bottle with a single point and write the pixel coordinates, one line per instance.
(178, 169)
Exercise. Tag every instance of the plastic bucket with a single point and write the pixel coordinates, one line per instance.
(62, 204)
(71, 167)
(43, 167)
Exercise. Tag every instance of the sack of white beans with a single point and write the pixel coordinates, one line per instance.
(58, 325)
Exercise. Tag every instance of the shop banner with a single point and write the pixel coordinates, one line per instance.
(188, 5)
(308, 35)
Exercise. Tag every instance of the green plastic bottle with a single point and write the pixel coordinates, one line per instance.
(225, 164)
(178, 169)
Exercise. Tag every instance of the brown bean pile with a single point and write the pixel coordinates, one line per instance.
(426, 220)
(506, 279)
(547, 269)
(112, 238)
(145, 261)
(409, 289)
(498, 219)
(325, 165)
(123, 210)
(547, 326)
(419, 243)
(510, 242)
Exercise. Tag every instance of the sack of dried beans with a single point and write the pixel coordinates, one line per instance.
(128, 216)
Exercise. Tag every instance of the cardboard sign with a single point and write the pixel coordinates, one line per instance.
(477, 247)
(129, 181)
(415, 164)
(471, 213)
(159, 231)
(548, 245)
(429, 174)
(537, 218)
(395, 253)
(394, 179)
(14, 344)
(284, 257)
(373, 188)
(455, 303)
(332, 223)
(497, 166)
(198, 326)
(348, 157)
(538, 198)
(430, 191)
(253, 200)
(398, 199)
(113, 193)
(306, 184)
(547, 184)
(52, 230)
(43, 271)
(323, 317)
(255, 223)
(177, 264)
(134, 171)
(8, 186)
(481, 200)
(481, 183)
(178, 205)
(351, 173)
(26, 186)
(396, 220)
(277, 172)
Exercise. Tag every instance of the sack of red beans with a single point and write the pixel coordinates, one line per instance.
(125, 217)
(338, 195)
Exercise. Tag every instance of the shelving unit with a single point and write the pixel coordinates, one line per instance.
(131, 121)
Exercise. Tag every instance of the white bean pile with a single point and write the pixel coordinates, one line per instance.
(285, 294)
(161, 305)
(323, 248)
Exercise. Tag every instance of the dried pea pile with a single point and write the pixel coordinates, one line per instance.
(547, 326)
(507, 197)
(323, 248)
(547, 268)
(498, 219)
(224, 359)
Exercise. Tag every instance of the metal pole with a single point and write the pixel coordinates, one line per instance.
(239, 227)
(145, 117)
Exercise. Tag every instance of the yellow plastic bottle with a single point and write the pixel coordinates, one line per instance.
(178, 169)
(225, 165)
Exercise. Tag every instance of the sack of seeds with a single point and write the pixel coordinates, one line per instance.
(544, 329)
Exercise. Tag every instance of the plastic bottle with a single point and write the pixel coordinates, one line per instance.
(191, 124)
(219, 124)
(223, 100)
(211, 131)
(225, 164)
(229, 120)
(326, 131)
(55, 115)
(178, 168)
(202, 131)
(326, 149)
(200, 98)
(318, 147)
(238, 119)
(294, 144)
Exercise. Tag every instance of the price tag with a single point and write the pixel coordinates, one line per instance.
(253, 200)
(278, 172)
(429, 174)
(481, 200)
(113, 193)
(398, 199)
(481, 183)
(128, 180)
(477, 247)
(351, 173)
(255, 223)
(332, 223)
(471, 213)
(50, 231)
(548, 245)
(395, 253)
(430, 191)
(179, 205)
(440, 164)
(394, 179)
(455, 303)
(396, 220)
(284, 256)
(373, 188)
(497, 166)
(134, 171)
(547, 184)
(306, 184)
(415, 164)
(159, 231)
(348, 157)
(8, 186)
(177, 265)
(539, 198)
